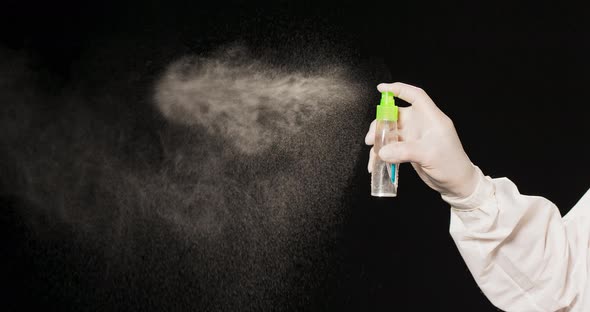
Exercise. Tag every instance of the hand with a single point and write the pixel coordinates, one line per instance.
(428, 140)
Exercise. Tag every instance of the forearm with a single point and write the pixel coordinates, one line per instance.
(516, 246)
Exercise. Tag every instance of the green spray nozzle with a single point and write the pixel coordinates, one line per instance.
(387, 110)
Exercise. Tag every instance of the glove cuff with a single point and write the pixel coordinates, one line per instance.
(484, 190)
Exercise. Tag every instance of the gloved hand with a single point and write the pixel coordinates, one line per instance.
(427, 139)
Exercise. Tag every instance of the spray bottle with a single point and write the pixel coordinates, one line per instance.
(384, 177)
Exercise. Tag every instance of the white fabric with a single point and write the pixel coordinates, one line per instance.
(523, 255)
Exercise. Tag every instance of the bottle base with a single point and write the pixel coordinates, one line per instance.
(384, 194)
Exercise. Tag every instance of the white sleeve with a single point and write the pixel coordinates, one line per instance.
(520, 251)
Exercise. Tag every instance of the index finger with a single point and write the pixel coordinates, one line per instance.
(370, 136)
(411, 94)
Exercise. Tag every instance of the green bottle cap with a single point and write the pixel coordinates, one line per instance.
(387, 110)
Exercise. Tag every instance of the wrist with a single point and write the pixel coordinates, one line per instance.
(464, 184)
(469, 182)
(481, 190)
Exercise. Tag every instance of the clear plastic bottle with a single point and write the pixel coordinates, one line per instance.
(384, 176)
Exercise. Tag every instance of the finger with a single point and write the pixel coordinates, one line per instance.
(403, 116)
(372, 156)
(370, 137)
(401, 152)
(392, 137)
(411, 94)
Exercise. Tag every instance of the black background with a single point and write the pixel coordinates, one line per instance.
(514, 79)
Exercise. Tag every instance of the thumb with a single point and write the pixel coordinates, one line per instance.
(400, 152)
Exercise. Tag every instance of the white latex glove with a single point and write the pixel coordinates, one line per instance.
(427, 139)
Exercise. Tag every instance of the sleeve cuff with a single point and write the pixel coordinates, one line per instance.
(482, 193)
